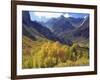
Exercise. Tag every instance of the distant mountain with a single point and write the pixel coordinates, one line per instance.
(80, 34)
(34, 29)
(63, 22)
(76, 22)
(59, 24)
(83, 30)
(70, 28)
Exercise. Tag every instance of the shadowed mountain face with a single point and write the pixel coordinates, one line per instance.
(60, 24)
(76, 22)
(26, 18)
(61, 29)
(83, 30)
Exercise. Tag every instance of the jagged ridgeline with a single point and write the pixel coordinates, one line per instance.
(57, 42)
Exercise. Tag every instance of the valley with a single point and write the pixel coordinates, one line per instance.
(58, 42)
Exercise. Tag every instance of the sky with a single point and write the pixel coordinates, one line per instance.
(44, 16)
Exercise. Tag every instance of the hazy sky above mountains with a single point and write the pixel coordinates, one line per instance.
(44, 16)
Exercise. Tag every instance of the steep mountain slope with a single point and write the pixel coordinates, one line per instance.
(83, 30)
(69, 27)
(59, 24)
(34, 30)
(76, 22)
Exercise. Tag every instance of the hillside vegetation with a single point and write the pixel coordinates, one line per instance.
(44, 53)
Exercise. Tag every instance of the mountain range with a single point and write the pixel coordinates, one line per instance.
(62, 29)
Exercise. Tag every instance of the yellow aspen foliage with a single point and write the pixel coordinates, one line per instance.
(46, 53)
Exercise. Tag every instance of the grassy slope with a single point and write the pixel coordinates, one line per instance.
(45, 53)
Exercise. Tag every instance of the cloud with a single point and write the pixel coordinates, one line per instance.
(44, 16)
(66, 15)
(47, 14)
